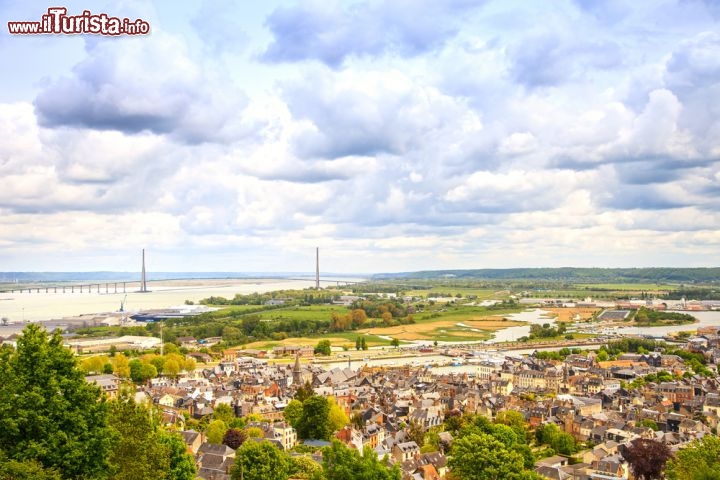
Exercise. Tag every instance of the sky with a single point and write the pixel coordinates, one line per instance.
(395, 136)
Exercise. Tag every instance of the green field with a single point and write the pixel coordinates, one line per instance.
(312, 312)
(647, 287)
(478, 292)
(462, 313)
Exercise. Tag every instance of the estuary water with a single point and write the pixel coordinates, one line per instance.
(21, 307)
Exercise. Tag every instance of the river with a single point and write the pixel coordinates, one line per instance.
(19, 308)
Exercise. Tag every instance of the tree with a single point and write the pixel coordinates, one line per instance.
(27, 470)
(700, 460)
(260, 461)
(93, 365)
(121, 365)
(646, 457)
(304, 392)
(336, 416)
(479, 456)
(171, 368)
(323, 348)
(561, 442)
(234, 437)
(395, 342)
(137, 452)
(141, 372)
(223, 412)
(416, 433)
(48, 412)
(182, 464)
(293, 412)
(189, 364)
(314, 422)
(342, 463)
(358, 317)
(215, 432)
(254, 432)
(304, 467)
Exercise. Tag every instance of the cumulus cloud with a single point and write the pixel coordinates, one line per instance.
(550, 59)
(477, 134)
(374, 113)
(218, 25)
(330, 31)
(148, 84)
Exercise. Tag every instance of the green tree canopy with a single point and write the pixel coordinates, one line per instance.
(561, 442)
(215, 432)
(305, 467)
(323, 348)
(293, 411)
(137, 453)
(26, 470)
(224, 412)
(479, 456)
(260, 461)
(314, 422)
(48, 412)
(343, 463)
(700, 460)
(182, 463)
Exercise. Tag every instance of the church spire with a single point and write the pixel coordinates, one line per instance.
(297, 371)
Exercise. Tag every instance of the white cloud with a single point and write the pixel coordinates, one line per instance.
(484, 135)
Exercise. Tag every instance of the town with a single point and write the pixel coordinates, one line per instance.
(579, 397)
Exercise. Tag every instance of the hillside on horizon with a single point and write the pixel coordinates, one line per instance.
(570, 274)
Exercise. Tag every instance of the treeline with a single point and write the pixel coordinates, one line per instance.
(294, 297)
(694, 294)
(578, 275)
(239, 327)
(55, 425)
(376, 308)
(648, 316)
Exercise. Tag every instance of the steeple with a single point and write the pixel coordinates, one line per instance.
(297, 371)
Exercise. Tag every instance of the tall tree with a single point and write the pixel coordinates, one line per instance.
(304, 392)
(182, 463)
(647, 458)
(48, 412)
(698, 461)
(224, 412)
(479, 456)
(305, 467)
(416, 433)
(260, 461)
(342, 463)
(293, 412)
(216, 431)
(314, 422)
(336, 415)
(27, 470)
(121, 365)
(137, 453)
